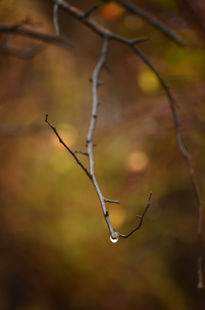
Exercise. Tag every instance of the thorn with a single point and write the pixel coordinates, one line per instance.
(111, 201)
(81, 152)
(100, 83)
(90, 11)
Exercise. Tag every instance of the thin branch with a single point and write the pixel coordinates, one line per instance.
(91, 130)
(25, 53)
(55, 18)
(134, 9)
(81, 152)
(112, 201)
(67, 148)
(91, 10)
(185, 154)
(140, 217)
(45, 37)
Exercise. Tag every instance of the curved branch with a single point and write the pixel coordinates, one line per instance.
(140, 217)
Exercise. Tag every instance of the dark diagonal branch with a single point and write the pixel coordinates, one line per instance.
(45, 37)
(134, 9)
(67, 148)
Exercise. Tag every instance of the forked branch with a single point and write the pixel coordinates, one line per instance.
(114, 235)
(24, 31)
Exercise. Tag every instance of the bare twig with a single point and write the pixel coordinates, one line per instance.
(95, 78)
(134, 9)
(140, 217)
(67, 148)
(90, 146)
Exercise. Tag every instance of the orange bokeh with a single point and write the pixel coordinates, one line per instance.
(111, 11)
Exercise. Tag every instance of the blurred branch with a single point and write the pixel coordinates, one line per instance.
(45, 37)
(6, 48)
(14, 130)
(134, 9)
(186, 156)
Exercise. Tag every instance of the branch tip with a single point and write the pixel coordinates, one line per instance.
(90, 11)
(141, 218)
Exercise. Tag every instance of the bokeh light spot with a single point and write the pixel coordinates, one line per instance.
(117, 214)
(148, 81)
(137, 161)
(111, 11)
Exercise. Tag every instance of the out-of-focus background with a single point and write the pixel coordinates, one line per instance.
(55, 251)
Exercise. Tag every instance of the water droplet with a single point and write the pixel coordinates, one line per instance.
(114, 238)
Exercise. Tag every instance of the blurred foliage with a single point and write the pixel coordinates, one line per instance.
(55, 248)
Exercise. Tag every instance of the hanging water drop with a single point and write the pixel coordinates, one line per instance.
(114, 238)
